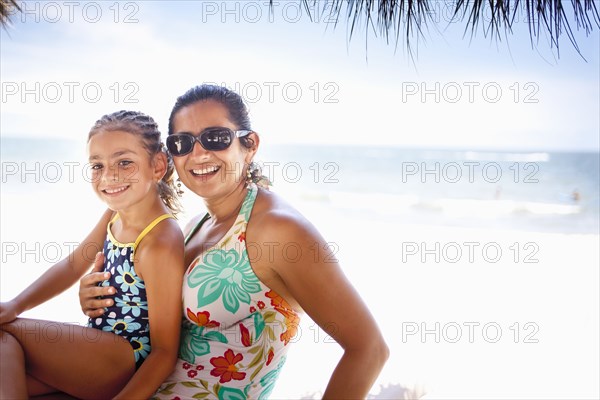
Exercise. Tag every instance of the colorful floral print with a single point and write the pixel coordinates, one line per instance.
(292, 320)
(135, 305)
(141, 347)
(201, 318)
(119, 326)
(224, 274)
(225, 367)
(128, 279)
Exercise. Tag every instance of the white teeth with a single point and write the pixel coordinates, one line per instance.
(206, 170)
(116, 190)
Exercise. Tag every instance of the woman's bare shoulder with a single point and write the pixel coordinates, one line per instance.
(273, 215)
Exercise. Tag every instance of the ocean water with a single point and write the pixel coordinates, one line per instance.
(539, 191)
(384, 211)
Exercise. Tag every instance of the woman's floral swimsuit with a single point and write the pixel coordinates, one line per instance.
(235, 330)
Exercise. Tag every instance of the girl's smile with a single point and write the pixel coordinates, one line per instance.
(114, 191)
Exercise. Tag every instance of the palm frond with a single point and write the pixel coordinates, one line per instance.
(7, 8)
(407, 18)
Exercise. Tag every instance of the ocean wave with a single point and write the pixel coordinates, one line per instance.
(385, 203)
(506, 157)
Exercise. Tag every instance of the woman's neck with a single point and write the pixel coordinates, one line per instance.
(223, 208)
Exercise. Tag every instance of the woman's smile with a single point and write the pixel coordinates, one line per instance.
(205, 171)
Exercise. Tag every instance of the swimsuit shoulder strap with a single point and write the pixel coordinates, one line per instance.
(150, 226)
(196, 228)
(244, 213)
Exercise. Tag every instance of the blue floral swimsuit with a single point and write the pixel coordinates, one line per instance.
(128, 317)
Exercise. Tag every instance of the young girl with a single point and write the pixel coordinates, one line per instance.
(117, 355)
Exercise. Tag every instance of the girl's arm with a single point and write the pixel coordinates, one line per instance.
(159, 262)
(60, 276)
(317, 283)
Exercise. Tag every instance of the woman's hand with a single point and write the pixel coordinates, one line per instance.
(89, 291)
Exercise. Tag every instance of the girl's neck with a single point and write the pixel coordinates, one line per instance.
(223, 208)
(141, 214)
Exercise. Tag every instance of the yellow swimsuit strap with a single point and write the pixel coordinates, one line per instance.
(147, 229)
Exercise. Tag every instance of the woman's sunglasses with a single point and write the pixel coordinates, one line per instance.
(212, 139)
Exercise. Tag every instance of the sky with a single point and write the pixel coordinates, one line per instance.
(64, 64)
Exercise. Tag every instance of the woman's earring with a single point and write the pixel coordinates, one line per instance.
(249, 173)
(179, 191)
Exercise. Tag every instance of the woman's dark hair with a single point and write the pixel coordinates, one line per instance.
(236, 108)
(138, 123)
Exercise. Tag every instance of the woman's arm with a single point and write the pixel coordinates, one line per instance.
(61, 275)
(159, 262)
(316, 282)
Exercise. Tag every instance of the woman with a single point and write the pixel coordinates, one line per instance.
(243, 288)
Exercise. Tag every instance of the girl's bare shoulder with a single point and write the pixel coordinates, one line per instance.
(166, 235)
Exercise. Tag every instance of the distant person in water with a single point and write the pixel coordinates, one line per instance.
(498, 192)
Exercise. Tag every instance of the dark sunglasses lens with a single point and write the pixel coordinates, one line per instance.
(216, 139)
(180, 144)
